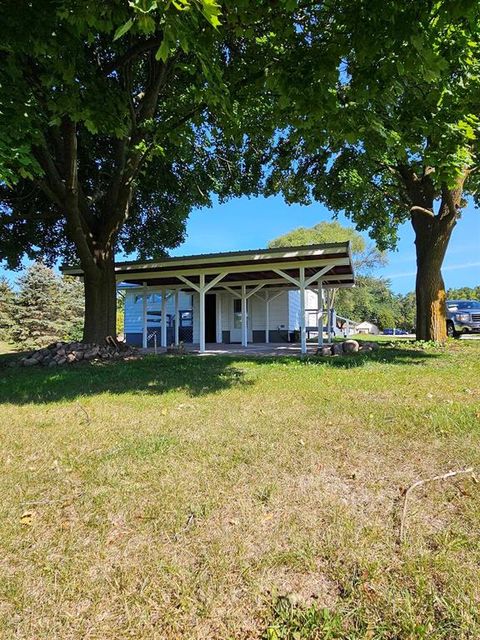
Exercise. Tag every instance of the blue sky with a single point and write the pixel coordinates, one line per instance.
(250, 223)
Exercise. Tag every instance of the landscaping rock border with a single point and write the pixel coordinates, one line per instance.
(60, 353)
(347, 347)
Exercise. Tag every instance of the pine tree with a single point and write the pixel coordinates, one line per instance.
(39, 317)
(6, 309)
(73, 306)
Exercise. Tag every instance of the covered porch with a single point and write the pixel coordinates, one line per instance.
(245, 278)
(225, 287)
(252, 349)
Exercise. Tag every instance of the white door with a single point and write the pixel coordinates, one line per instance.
(236, 322)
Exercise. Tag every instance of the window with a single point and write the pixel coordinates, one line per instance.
(186, 318)
(152, 298)
(237, 313)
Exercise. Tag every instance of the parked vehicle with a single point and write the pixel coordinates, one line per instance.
(395, 332)
(463, 316)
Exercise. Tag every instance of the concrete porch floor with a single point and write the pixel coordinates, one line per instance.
(253, 349)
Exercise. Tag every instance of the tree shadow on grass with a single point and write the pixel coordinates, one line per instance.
(383, 355)
(155, 375)
(152, 375)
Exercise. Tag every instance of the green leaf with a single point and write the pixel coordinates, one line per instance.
(163, 51)
(121, 31)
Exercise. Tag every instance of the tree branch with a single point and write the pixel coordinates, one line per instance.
(130, 54)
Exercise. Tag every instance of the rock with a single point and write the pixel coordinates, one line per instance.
(337, 349)
(324, 351)
(70, 357)
(78, 355)
(61, 360)
(29, 362)
(365, 347)
(52, 363)
(350, 346)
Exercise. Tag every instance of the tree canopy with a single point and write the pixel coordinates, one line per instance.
(386, 127)
(117, 118)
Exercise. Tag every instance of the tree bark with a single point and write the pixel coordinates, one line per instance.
(100, 299)
(432, 236)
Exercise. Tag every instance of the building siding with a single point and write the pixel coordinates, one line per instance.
(284, 314)
(133, 321)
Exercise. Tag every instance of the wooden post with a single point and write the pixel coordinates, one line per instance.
(163, 339)
(202, 312)
(320, 313)
(244, 316)
(303, 333)
(177, 319)
(144, 317)
(219, 317)
(267, 317)
(329, 312)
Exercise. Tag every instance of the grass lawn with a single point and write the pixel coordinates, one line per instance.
(234, 498)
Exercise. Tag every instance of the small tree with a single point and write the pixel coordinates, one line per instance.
(6, 309)
(38, 318)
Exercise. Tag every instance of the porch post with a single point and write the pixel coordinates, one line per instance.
(163, 336)
(320, 313)
(303, 333)
(177, 318)
(219, 317)
(144, 317)
(329, 312)
(267, 317)
(201, 294)
(244, 316)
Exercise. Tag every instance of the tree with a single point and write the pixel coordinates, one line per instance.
(46, 309)
(395, 136)
(464, 293)
(72, 307)
(350, 303)
(37, 318)
(6, 309)
(105, 149)
(365, 257)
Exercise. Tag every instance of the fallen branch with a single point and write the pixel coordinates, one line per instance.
(87, 416)
(419, 483)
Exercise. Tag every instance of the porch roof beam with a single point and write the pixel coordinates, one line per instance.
(255, 290)
(317, 263)
(287, 276)
(274, 281)
(234, 293)
(317, 276)
(188, 282)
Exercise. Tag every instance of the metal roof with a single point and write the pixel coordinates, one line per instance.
(240, 267)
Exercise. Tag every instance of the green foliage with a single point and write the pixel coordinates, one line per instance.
(365, 257)
(46, 308)
(6, 309)
(294, 622)
(323, 232)
(464, 293)
(165, 100)
(373, 300)
(401, 102)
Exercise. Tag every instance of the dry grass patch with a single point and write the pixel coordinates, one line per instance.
(184, 497)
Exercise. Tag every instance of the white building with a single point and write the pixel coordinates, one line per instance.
(368, 328)
(243, 296)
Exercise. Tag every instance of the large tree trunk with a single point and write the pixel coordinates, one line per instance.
(100, 299)
(431, 240)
